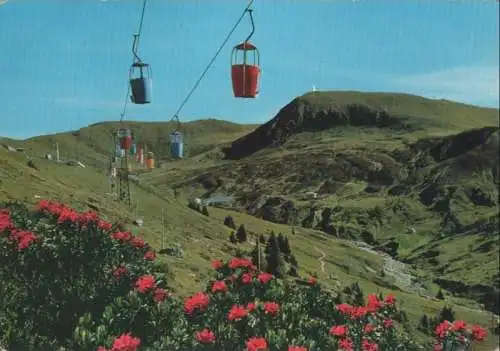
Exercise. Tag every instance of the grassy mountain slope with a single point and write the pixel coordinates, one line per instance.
(92, 145)
(272, 184)
(403, 172)
(204, 238)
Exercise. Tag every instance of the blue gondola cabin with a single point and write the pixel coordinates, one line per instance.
(176, 144)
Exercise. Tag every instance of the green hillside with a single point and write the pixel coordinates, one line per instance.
(399, 171)
(93, 145)
(410, 188)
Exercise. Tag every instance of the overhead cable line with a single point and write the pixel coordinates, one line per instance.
(136, 57)
(197, 83)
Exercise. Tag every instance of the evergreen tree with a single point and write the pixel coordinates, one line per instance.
(272, 244)
(281, 267)
(287, 250)
(293, 265)
(401, 317)
(293, 261)
(293, 272)
(423, 323)
(241, 234)
(255, 253)
(446, 314)
(281, 242)
(204, 211)
(358, 297)
(229, 222)
(275, 263)
(440, 295)
(232, 238)
(193, 205)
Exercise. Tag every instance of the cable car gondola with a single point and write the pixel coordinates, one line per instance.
(245, 67)
(125, 138)
(150, 161)
(133, 149)
(141, 83)
(177, 141)
(176, 144)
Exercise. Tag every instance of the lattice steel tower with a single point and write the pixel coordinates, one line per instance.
(123, 173)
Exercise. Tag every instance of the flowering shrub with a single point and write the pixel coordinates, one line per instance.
(58, 264)
(69, 280)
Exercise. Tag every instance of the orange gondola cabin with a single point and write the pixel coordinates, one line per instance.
(150, 161)
(245, 70)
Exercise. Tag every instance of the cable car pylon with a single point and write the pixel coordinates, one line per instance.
(139, 91)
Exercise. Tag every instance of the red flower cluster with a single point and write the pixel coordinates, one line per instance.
(237, 262)
(246, 278)
(150, 255)
(219, 286)
(67, 214)
(135, 241)
(119, 272)
(23, 238)
(5, 222)
(271, 308)
(256, 344)
(459, 331)
(373, 306)
(237, 313)
(205, 336)
(264, 278)
(241, 272)
(124, 342)
(198, 301)
(146, 283)
(217, 264)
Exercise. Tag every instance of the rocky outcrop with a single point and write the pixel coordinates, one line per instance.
(300, 115)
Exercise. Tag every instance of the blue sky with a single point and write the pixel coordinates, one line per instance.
(64, 64)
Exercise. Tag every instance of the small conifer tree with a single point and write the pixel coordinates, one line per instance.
(232, 238)
(275, 262)
(440, 295)
(204, 211)
(229, 222)
(241, 234)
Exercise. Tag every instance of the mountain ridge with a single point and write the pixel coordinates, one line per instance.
(319, 111)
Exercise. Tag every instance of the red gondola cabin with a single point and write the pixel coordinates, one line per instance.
(245, 70)
(125, 137)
